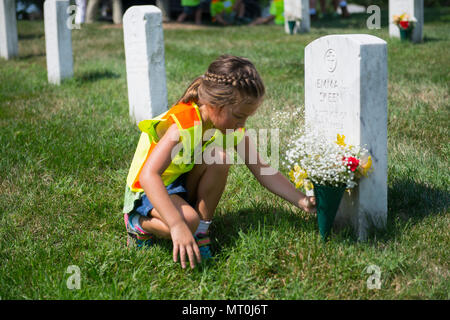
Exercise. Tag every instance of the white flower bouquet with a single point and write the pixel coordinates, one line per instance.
(327, 168)
(317, 160)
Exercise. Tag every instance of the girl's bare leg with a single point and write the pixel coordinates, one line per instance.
(182, 17)
(206, 183)
(156, 225)
(220, 20)
(323, 6)
(198, 16)
(240, 6)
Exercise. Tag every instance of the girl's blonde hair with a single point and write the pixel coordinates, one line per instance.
(230, 80)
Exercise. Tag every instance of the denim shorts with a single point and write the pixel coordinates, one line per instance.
(178, 187)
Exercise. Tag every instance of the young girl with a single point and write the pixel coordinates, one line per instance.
(169, 197)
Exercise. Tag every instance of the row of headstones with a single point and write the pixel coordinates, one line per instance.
(58, 37)
(56, 19)
(297, 11)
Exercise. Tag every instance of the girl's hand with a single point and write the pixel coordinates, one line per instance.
(184, 243)
(308, 204)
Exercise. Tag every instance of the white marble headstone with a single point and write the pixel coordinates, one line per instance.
(144, 53)
(9, 46)
(58, 41)
(296, 10)
(413, 8)
(346, 93)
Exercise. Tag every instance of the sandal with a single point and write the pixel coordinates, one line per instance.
(136, 238)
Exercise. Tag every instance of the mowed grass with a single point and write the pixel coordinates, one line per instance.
(65, 152)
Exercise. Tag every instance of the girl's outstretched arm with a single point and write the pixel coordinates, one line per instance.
(271, 178)
(150, 179)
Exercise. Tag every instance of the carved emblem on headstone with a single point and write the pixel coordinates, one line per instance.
(330, 60)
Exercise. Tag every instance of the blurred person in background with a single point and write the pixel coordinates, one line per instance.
(80, 15)
(194, 7)
(275, 12)
(316, 15)
(228, 12)
(92, 10)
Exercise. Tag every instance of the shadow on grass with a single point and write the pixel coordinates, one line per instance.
(414, 201)
(30, 56)
(228, 226)
(409, 203)
(30, 36)
(92, 76)
(430, 39)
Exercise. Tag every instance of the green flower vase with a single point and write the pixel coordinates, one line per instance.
(291, 25)
(327, 203)
(405, 34)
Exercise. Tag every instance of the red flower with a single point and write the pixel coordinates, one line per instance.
(352, 163)
(404, 24)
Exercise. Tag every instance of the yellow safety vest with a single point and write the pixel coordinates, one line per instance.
(188, 120)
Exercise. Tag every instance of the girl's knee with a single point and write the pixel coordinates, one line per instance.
(192, 219)
(221, 169)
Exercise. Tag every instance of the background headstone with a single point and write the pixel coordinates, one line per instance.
(9, 45)
(58, 41)
(144, 54)
(297, 9)
(80, 15)
(346, 93)
(413, 8)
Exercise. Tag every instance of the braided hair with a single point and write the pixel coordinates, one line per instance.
(229, 80)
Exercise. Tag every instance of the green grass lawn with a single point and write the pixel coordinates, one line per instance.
(65, 152)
